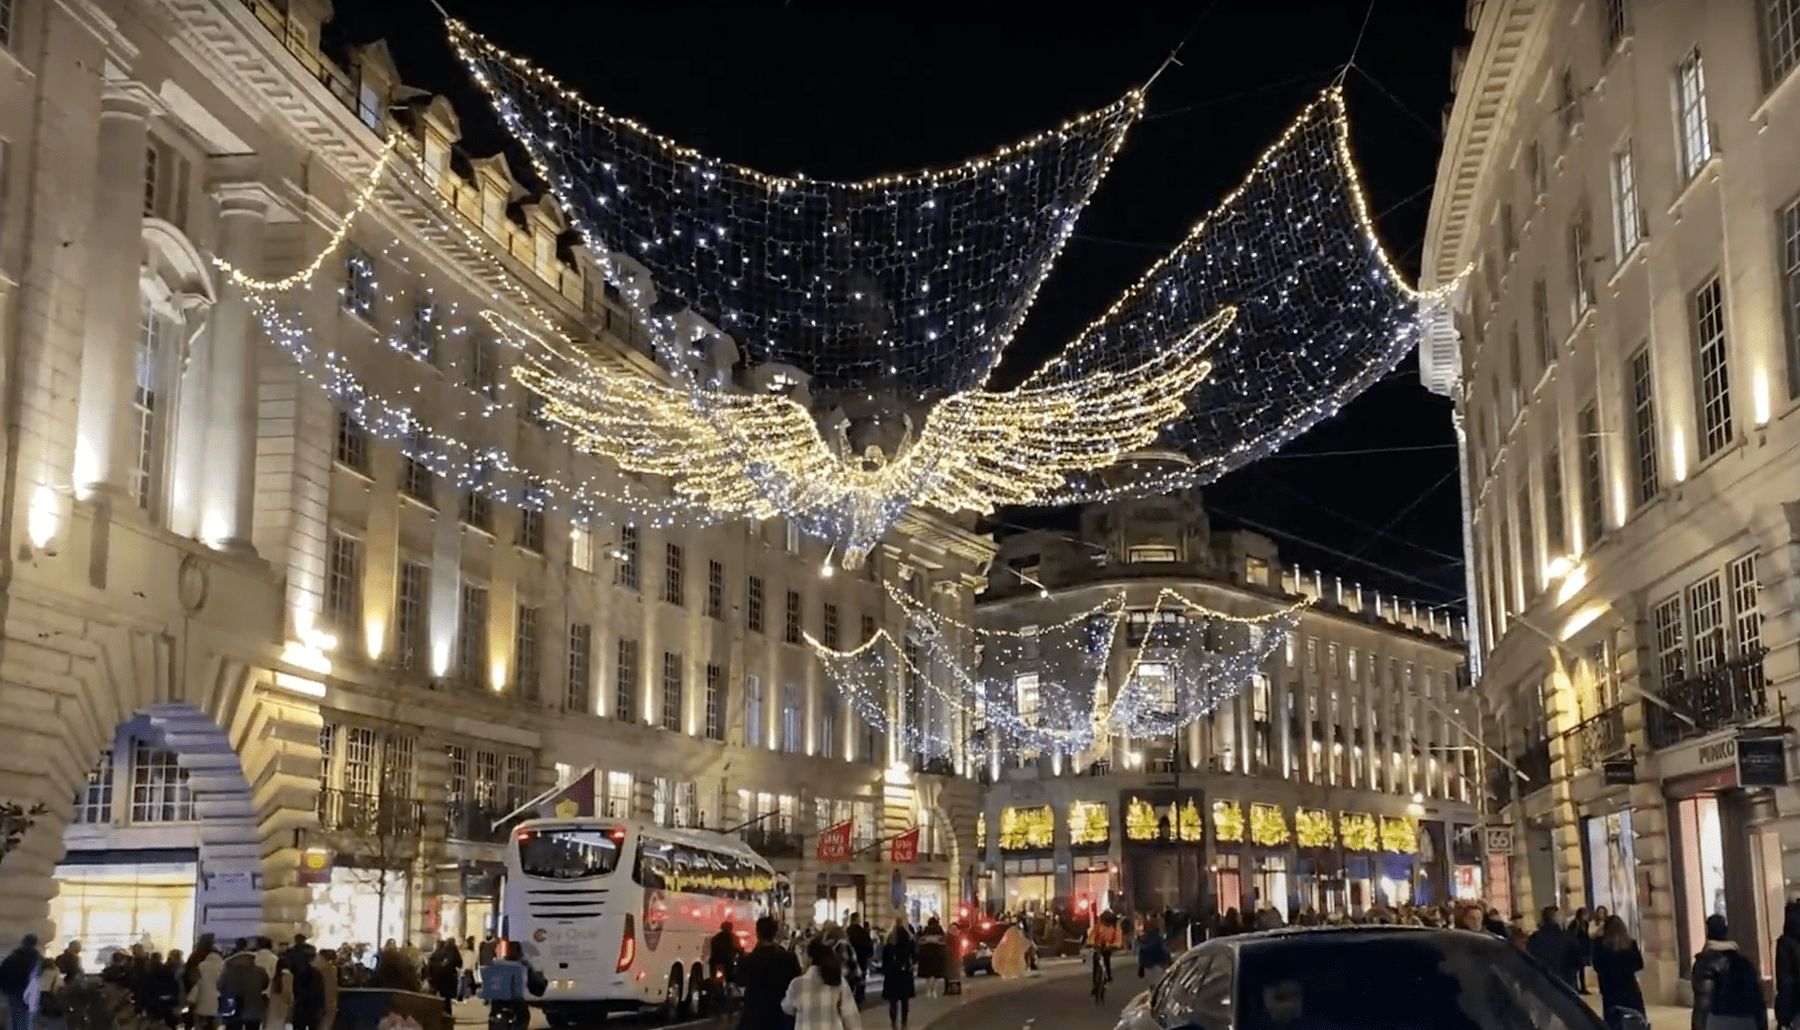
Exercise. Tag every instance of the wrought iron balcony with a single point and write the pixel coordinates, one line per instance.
(1728, 694)
(1534, 767)
(1594, 740)
(476, 822)
(371, 816)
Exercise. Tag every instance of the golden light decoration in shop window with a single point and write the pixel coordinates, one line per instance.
(1027, 829)
(1312, 828)
(1398, 835)
(1141, 820)
(1088, 822)
(1228, 822)
(1358, 831)
(1268, 826)
(981, 832)
(1189, 822)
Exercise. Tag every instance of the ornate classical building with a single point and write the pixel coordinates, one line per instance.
(1336, 777)
(239, 628)
(1622, 180)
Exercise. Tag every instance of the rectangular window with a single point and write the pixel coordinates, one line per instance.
(472, 635)
(477, 511)
(581, 547)
(415, 469)
(1706, 623)
(159, 786)
(1515, 382)
(625, 675)
(1593, 479)
(1568, 103)
(1540, 324)
(828, 727)
(1710, 368)
(94, 805)
(1555, 524)
(1788, 232)
(1616, 25)
(412, 607)
(1781, 38)
(791, 628)
(359, 760)
(352, 443)
(671, 590)
(343, 586)
(753, 605)
(671, 691)
(525, 652)
(531, 530)
(1581, 265)
(620, 788)
(1026, 698)
(1628, 217)
(1534, 168)
(791, 710)
(1746, 619)
(715, 702)
(456, 757)
(1150, 553)
(715, 590)
(626, 571)
(793, 537)
(8, 12)
(484, 367)
(753, 713)
(1643, 425)
(359, 282)
(868, 629)
(146, 408)
(830, 635)
(1509, 229)
(1528, 563)
(422, 332)
(487, 778)
(575, 690)
(1694, 130)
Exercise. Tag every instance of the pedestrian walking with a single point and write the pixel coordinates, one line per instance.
(934, 957)
(444, 971)
(18, 981)
(820, 998)
(1617, 963)
(1549, 944)
(899, 955)
(1787, 969)
(206, 967)
(863, 943)
(765, 975)
(1727, 987)
(308, 979)
(1152, 952)
(243, 992)
(1581, 948)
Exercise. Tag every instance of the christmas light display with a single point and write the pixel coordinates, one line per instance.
(1088, 823)
(1399, 835)
(1313, 829)
(1358, 832)
(1268, 826)
(1228, 822)
(1141, 821)
(1027, 829)
(1188, 822)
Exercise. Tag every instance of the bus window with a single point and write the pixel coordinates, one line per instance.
(653, 867)
(567, 854)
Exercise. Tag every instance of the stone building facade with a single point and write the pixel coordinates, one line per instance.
(239, 629)
(1280, 797)
(1620, 178)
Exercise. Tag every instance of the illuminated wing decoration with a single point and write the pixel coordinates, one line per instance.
(762, 455)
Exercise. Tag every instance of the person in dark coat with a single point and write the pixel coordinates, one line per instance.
(1581, 948)
(1617, 963)
(862, 942)
(1727, 986)
(934, 957)
(243, 992)
(1787, 968)
(765, 974)
(445, 971)
(1549, 944)
(899, 955)
(17, 972)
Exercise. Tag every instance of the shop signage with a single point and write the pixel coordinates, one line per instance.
(1761, 761)
(905, 848)
(1499, 840)
(834, 843)
(315, 866)
(1618, 772)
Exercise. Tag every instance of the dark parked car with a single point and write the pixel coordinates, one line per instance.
(1358, 978)
(976, 946)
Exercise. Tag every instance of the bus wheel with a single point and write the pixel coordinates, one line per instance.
(697, 992)
(671, 1005)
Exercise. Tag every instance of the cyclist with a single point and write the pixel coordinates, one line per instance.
(1106, 938)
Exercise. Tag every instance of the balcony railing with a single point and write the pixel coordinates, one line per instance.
(336, 81)
(1725, 695)
(476, 822)
(1594, 740)
(372, 816)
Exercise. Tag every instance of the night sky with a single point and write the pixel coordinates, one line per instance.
(845, 91)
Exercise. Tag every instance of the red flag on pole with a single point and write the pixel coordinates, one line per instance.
(834, 843)
(905, 848)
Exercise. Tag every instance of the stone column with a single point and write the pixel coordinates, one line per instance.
(231, 376)
(103, 452)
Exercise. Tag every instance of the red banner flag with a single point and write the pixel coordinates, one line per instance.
(834, 843)
(571, 801)
(905, 848)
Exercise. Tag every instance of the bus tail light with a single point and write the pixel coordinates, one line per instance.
(627, 946)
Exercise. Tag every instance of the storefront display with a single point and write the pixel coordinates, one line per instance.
(1701, 866)
(1270, 882)
(359, 906)
(1030, 884)
(1612, 867)
(113, 906)
(927, 897)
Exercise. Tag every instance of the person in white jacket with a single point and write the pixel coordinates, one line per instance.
(820, 998)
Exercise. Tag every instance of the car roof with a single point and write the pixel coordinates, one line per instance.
(1302, 936)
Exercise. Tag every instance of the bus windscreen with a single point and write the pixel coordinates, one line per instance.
(568, 854)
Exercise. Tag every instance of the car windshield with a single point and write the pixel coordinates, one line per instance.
(1447, 981)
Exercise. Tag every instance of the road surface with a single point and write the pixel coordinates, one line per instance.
(1056, 1003)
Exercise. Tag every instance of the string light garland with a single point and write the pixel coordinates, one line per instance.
(304, 274)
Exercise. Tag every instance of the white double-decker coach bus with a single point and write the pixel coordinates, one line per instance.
(616, 913)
